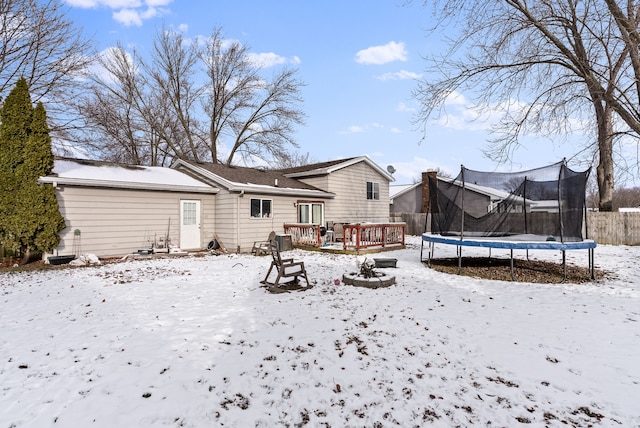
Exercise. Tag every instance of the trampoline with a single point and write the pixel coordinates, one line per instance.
(537, 209)
(521, 242)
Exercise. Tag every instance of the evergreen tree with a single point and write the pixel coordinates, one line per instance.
(31, 218)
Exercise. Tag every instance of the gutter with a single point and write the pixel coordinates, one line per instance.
(126, 185)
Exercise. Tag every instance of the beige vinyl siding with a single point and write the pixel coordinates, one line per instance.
(258, 229)
(116, 222)
(238, 230)
(226, 224)
(350, 204)
(321, 182)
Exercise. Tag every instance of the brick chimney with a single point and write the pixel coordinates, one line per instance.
(425, 205)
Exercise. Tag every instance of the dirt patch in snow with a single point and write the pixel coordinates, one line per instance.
(524, 270)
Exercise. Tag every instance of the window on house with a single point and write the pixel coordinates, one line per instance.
(373, 190)
(260, 208)
(311, 212)
(188, 213)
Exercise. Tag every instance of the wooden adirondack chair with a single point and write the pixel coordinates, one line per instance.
(285, 268)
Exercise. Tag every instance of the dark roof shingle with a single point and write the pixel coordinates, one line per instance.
(263, 177)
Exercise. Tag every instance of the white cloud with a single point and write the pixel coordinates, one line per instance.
(400, 75)
(183, 28)
(151, 12)
(156, 3)
(359, 129)
(411, 172)
(384, 54)
(266, 59)
(127, 12)
(396, 131)
(111, 4)
(405, 108)
(100, 72)
(462, 115)
(128, 17)
(455, 98)
(270, 59)
(354, 129)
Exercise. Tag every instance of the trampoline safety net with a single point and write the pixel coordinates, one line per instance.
(546, 203)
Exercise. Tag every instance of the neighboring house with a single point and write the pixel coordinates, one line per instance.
(478, 200)
(253, 202)
(119, 209)
(405, 198)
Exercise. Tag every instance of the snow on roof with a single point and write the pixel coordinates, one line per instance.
(395, 190)
(103, 174)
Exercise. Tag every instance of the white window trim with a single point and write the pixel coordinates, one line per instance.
(262, 216)
(375, 191)
(310, 204)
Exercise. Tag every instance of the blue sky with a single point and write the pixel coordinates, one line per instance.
(359, 59)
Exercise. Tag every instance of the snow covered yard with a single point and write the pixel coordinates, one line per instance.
(196, 342)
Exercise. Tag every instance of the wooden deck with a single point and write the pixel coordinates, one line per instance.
(358, 238)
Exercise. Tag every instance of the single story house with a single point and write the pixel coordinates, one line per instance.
(113, 210)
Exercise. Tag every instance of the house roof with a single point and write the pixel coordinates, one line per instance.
(92, 173)
(493, 194)
(324, 168)
(238, 179)
(400, 189)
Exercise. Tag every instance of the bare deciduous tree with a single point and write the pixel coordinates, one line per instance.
(145, 112)
(291, 159)
(113, 110)
(560, 59)
(194, 102)
(174, 114)
(39, 43)
(626, 198)
(255, 114)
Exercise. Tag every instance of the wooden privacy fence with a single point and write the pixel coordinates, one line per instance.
(606, 228)
(614, 228)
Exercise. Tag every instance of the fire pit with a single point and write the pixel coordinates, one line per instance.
(368, 276)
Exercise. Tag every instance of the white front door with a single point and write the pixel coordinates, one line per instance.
(190, 225)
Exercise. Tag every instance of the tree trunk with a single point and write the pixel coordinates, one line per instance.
(605, 154)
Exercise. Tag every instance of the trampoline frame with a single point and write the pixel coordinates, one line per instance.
(511, 245)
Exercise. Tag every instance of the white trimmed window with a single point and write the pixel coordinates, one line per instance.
(311, 212)
(373, 190)
(261, 208)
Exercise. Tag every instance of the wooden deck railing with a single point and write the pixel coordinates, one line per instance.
(306, 235)
(356, 236)
(367, 235)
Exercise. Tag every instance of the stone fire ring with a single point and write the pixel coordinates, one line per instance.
(381, 280)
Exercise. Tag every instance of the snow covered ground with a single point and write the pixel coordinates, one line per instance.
(196, 342)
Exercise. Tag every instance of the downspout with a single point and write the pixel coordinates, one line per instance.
(524, 205)
(560, 201)
(462, 203)
(238, 221)
(461, 221)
